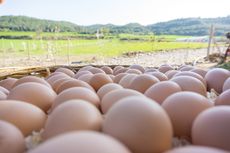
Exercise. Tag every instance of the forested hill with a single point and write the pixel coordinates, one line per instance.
(186, 26)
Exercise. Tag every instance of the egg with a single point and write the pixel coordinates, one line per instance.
(4, 90)
(142, 82)
(85, 68)
(137, 67)
(98, 80)
(95, 70)
(76, 93)
(80, 73)
(66, 71)
(139, 123)
(151, 70)
(114, 96)
(24, 116)
(159, 75)
(215, 79)
(118, 77)
(73, 115)
(56, 84)
(8, 83)
(111, 76)
(34, 93)
(117, 68)
(122, 70)
(73, 83)
(3, 96)
(160, 91)
(165, 68)
(226, 85)
(196, 149)
(26, 79)
(171, 73)
(183, 108)
(223, 98)
(54, 78)
(107, 88)
(211, 128)
(199, 71)
(86, 77)
(127, 79)
(133, 71)
(107, 69)
(11, 138)
(187, 68)
(188, 83)
(81, 142)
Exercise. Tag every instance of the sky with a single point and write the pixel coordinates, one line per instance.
(119, 12)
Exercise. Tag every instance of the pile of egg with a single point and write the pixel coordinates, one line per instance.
(120, 110)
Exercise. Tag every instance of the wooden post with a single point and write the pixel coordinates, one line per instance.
(210, 40)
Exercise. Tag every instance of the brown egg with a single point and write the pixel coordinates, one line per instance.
(81, 142)
(53, 74)
(133, 71)
(196, 149)
(80, 73)
(226, 85)
(215, 79)
(122, 70)
(183, 108)
(211, 128)
(66, 71)
(8, 83)
(139, 123)
(11, 138)
(127, 79)
(111, 76)
(95, 70)
(98, 80)
(114, 96)
(73, 83)
(199, 71)
(137, 67)
(107, 69)
(26, 79)
(4, 90)
(171, 73)
(56, 84)
(188, 83)
(3, 96)
(161, 90)
(56, 77)
(142, 82)
(118, 77)
(223, 98)
(165, 68)
(107, 88)
(25, 116)
(34, 93)
(151, 70)
(85, 68)
(77, 93)
(159, 75)
(81, 115)
(187, 68)
(192, 74)
(86, 77)
(117, 68)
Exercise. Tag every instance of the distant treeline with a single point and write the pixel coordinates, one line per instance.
(187, 26)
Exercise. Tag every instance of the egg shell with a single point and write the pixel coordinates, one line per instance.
(11, 138)
(86, 77)
(211, 128)
(66, 71)
(54, 78)
(25, 116)
(195, 149)
(159, 75)
(81, 142)
(223, 98)
(171, 73)
(226, 85)
(139, 123)
(114, 96)
(80, 73)
(26, 79)
(118, 77)
(133, 71)
(76, 93)
(127, 79)
(73, 115)
(215, 79)
(137, 67)
(95, 70)
(98, 80)
(117, 68)
(199, 71)
(107, 88)
(107, 69)
(34, 93)
(73, 83)
(142, 82)
(183, 108)
(165, 68)
(161, 90)
(8, 83)
(56, 84)
(188, 83)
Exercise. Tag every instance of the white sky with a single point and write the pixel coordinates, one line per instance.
(87, 12)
